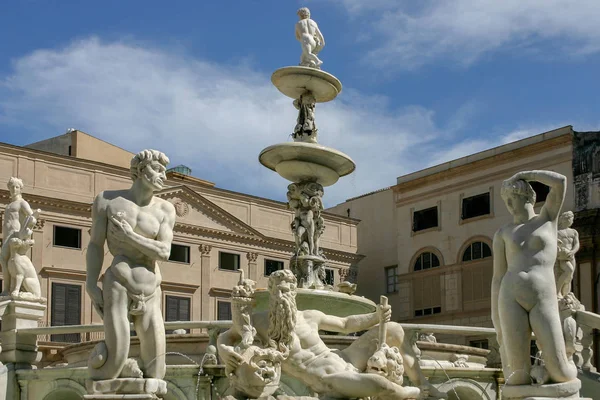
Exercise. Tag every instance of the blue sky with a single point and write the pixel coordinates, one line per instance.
(424, 82)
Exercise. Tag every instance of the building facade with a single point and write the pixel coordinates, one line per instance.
(217, 231)
(427, 240)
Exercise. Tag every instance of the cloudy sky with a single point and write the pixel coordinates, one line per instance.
(424, 82)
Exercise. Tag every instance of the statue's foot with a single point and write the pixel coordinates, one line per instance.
(15, 293)
(131, 369)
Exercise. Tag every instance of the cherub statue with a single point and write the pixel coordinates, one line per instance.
(568, 245)
(311, 39)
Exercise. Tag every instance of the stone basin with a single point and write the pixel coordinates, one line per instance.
(330, 302)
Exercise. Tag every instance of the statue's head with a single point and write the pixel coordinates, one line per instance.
(150, 166)
(304, 13)
(15, 185)
(387, 362)
(566, 220)
(282, 308)
(517, 194)
(259, 372)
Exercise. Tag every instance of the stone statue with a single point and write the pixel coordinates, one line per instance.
(138, 228)
(306, 128)
(306, 199)
(258, 373)
(17, 228)
(331, 373)
(311, 39)
(568, 245)
(523, 287)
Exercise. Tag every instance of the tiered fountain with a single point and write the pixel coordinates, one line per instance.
(310, 167)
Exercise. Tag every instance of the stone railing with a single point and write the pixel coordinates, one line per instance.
(587, 321)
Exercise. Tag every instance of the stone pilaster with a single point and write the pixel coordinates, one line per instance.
(206, 305)
(252, 266)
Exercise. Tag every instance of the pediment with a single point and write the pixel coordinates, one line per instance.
(196, 211)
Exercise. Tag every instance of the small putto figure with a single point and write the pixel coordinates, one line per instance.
(311, 39)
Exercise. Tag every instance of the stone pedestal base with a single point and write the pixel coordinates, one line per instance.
(565, 390)
(19, 347)
(126, 388)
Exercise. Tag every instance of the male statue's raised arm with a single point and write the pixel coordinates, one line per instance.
(352, 323)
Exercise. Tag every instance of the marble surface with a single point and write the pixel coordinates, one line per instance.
(299, 162)
(138, 228)
(311, 39)
(296, 81)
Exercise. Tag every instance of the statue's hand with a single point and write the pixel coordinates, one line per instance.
(230, 357)
(95, 294)
(384, 312)
(120, 228)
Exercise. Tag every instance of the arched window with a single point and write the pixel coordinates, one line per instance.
(477, 251)
(426, 260)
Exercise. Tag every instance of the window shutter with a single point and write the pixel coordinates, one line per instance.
(59, 298)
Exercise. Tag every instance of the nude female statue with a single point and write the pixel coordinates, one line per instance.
(523, 286)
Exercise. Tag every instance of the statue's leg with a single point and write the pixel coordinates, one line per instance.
(354, 385)
(150, 328)
(116, 329)
(516, 342)
(545, 322)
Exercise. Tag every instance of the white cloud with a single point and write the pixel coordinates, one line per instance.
(410, 34)
(214, 118)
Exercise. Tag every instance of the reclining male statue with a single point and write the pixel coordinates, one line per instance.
(329, 372)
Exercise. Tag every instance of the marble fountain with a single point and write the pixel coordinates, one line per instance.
(297, 337)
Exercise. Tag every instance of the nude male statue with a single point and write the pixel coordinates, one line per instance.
(138, 228)
(311, 39)
(523, 286)
(329, 372)
(568, 245)
(17, 213)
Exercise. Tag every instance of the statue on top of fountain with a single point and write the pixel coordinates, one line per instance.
(311, 39)
(354, 372)
(19, 220)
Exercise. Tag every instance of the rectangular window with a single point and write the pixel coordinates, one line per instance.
(180, 253)
(391, 279)
(178, 309)
(65, 310)
(229, 261)
(67, 237)
(475, 206)
(223, 311)
(329, 276)
(272, 266)
(428, 311)
(541, 191)
(425, 219)
(480, 344)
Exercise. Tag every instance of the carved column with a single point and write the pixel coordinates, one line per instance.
(38, 248)
(205, 284)
(252, 267)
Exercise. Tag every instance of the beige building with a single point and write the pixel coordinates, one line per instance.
(217, 231)
(427, 240)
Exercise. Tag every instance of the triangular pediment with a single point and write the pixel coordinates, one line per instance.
(195, 211)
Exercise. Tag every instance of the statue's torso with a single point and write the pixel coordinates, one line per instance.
(530, 250)
(13, 215)
(145, 221)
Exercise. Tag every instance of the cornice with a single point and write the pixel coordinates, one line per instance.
(72, 274)
(505, 157)
(455, 187)
(50, 203)
(179, 287)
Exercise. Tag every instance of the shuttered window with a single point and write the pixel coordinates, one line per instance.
(65, 310)
(223, 311)
(178, 309)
